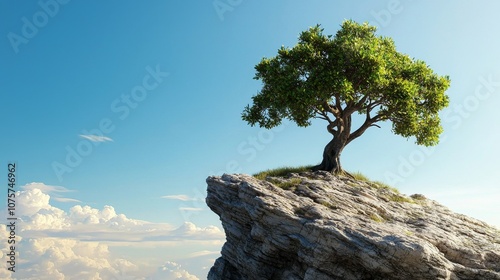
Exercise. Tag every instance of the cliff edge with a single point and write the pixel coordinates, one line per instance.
(314, 225)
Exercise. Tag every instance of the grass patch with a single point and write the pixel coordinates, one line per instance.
(282, 171)
(329, 205)
(375, 184)
(360, 177)
(382, 185)
(400, 198)
(293, 183)
(288, 185)
(376, 218)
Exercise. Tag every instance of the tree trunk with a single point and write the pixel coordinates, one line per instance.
(331, 156)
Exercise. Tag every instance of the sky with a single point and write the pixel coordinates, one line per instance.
(115, 112)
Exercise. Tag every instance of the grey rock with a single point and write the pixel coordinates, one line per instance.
(329, 227)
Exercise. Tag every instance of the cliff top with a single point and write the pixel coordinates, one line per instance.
(314, 225)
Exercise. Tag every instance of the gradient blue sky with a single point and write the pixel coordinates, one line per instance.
(75, 71)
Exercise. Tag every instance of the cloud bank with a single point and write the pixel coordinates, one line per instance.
(91, 243)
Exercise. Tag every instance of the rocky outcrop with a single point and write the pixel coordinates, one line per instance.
(319, 226)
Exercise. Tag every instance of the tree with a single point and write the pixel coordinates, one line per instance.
(355, 71)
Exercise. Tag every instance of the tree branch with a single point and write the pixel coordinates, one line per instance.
(368, 123)
(327, 117)
(373, 104)
(322, 115)
(333, 110)
(362, 101)
(338, 104)
(331, 128)
(353, 107)
(378, 117)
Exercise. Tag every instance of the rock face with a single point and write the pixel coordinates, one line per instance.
(318, 226)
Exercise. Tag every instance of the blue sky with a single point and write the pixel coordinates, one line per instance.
(164, 83)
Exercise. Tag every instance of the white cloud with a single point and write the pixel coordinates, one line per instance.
(65, 199)
(4, 273)
(53, 190)
(203, 253)
(171, 270)
(190, 209)
(45, 188)
(82, 243)
(31, 202)
(52, 258)
(181, 197)
(96, 138)
(190, 229)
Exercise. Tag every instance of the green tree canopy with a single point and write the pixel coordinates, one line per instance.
(355, 71)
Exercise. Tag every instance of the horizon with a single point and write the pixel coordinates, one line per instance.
(115, 113)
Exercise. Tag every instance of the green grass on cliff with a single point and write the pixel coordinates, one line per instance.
(284, 171)
(360, 176)
(357, 176)
(376, 184)
(293, 183)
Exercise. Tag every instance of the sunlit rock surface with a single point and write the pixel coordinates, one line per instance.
(317, 226)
